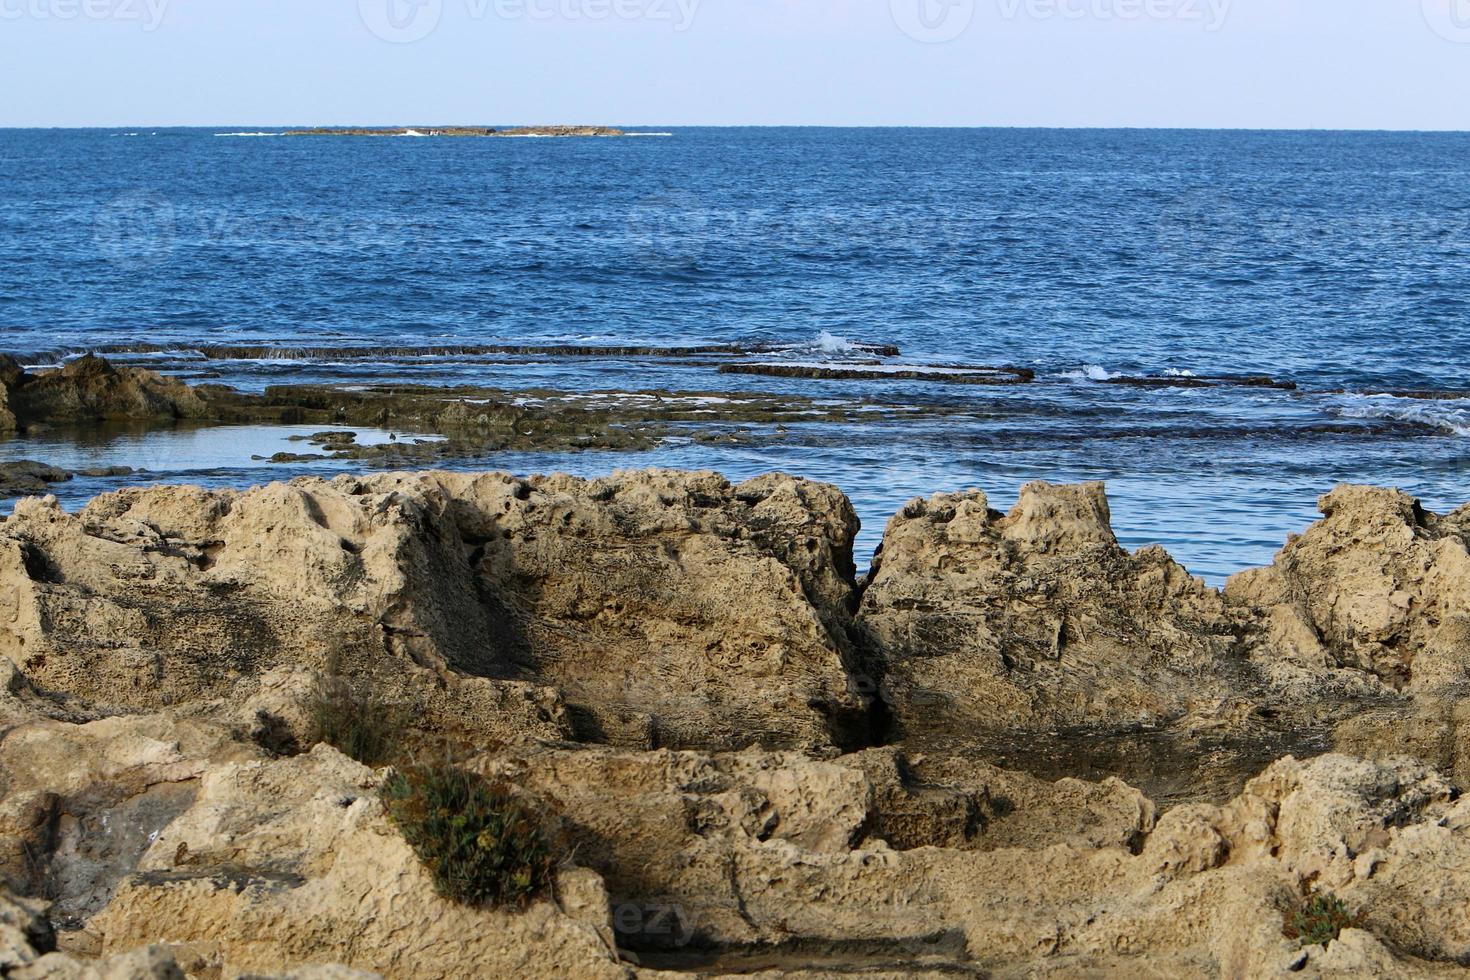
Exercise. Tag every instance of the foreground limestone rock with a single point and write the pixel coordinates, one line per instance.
(756, 858)
(27, 951)
(1038, 619)
(1380, 585)
(708, 840)
(163, 812)
(287, 864)
(1374, 602)
(664, 608)
(281, 867)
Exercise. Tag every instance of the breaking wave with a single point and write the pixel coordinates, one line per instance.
(1442, 415)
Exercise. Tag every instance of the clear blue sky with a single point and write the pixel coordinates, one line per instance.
(1394, 64)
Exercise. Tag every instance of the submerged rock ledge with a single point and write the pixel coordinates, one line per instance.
(473, 421)
(1013, 748)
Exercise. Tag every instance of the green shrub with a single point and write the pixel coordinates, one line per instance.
(1320, 922)
(358, 725)
(481, 844)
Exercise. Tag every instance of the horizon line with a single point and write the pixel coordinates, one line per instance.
(669, 126)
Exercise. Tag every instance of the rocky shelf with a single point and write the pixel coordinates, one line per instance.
(472, 421)
(1013, 748)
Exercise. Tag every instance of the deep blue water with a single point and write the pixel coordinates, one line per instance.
(1338, 261)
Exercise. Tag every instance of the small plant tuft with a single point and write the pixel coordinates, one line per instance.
(1321, 921)
(359, 726)
(481, 844)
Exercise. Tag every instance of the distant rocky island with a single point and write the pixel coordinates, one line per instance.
(459, 131)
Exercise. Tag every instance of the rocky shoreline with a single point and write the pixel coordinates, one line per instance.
(466, 422)
(1011, 749)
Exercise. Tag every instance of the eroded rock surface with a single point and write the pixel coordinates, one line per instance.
(1380, 585)
(664, 609)
(687, 680)
(1039, 619)
(1373, 601)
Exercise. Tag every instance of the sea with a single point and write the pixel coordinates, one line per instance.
(1150, 279)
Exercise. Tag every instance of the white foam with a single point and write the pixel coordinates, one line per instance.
(1443, 415)
(833, 344)
(825, 342)
(1176, 373)
(1090, 372)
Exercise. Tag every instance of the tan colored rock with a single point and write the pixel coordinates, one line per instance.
(82, 803)
(676, 834)
(153, 599)
(1379, 585)
(149, 963)
(27, 945)
(284, 865)
(275, 867)
(1038, 619)
(464, 598)
(1365, 618)
(507, 615)
(670, 608)
(952, 800)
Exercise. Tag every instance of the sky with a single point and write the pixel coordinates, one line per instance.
(1321, 64)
